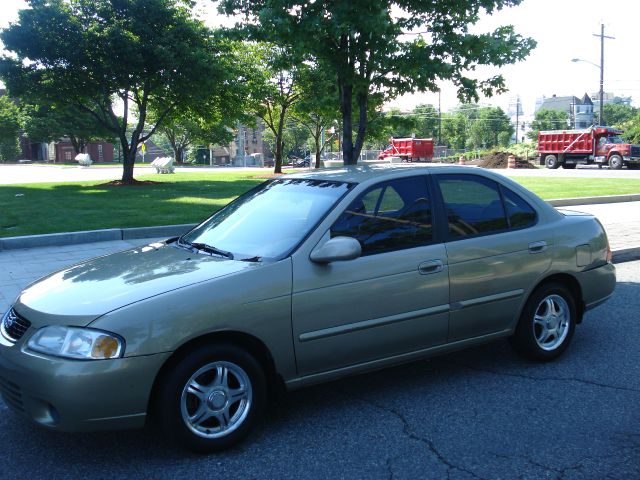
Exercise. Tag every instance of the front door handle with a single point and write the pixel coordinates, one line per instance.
(432, 266)
(537, 247)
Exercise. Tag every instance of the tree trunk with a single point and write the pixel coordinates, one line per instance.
(346, 98)
(362, 125)
(128, 160)
(317, 137)
(279, 143)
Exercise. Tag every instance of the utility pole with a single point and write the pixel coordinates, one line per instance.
(602, 37)
(517, 116)
(439, 119)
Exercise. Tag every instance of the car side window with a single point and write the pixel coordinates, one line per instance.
(473, 205)
(393, 215)
(519, 213)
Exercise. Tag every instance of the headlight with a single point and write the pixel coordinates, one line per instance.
(77, 343)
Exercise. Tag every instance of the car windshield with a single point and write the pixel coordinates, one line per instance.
(270, 220)
(614, 139)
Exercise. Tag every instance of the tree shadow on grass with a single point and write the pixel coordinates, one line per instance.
(46, 208)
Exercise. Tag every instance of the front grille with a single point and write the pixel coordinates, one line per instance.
(11, 394)
(635, 150)
(14, 325)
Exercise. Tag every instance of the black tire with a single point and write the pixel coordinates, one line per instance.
(633, 166)
(205, 366)
(539, 313)
(551, 161)
(569, 166)
(615, 162)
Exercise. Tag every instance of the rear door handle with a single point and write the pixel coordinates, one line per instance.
(432, 266)
(537, 247)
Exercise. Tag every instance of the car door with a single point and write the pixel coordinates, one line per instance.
(391, 300)
(496, 252)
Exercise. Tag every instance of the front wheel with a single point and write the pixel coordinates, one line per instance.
(615, 162)
(551, 161)
(547, 323)
(212, 398)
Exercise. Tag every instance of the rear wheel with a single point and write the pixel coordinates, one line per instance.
(615, 162)
(551, 161)
(547, 323)
(212, 398)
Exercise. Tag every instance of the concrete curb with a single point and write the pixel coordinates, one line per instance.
(74, 238)
(566, 202)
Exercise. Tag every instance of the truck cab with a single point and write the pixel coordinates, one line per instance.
(611, 149)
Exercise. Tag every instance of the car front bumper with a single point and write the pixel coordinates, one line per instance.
(73, 395)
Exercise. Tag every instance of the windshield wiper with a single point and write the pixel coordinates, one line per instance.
(211, 249)
(251, 259)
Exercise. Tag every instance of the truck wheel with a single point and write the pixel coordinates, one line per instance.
(551, 161)
(615, 162)
(569, 166)
(633, 166)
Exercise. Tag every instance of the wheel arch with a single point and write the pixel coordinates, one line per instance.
(250, 343)
(572, 284)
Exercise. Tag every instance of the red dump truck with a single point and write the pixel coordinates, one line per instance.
(599, 145)
(409, 149)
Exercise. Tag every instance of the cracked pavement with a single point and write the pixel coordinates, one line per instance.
(482, 413)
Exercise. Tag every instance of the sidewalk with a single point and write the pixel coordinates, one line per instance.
(20, 267)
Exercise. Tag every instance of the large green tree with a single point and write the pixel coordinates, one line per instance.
(617, 114)
(10, 126)
(273, 89)
(427, 121)
(50, 122)
(316, 109)
(111, 58)
(546, 119)
(387, 47)
(490, 128)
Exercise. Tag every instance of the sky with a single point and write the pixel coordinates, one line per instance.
(563, 30)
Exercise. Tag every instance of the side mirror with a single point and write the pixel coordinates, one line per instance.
(337, 249)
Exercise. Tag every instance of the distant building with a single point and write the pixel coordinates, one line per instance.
(580, 111)
(247, 139)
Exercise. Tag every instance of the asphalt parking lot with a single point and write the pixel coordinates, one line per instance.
(483, 413)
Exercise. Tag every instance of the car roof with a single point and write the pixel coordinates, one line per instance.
(361, 173)
(368, 174)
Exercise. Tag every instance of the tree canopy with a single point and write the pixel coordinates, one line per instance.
(116, 60)
(49, 123)
(546, 119)
(386, 47)
(10, 125)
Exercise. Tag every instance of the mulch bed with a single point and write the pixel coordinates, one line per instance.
(500, 160)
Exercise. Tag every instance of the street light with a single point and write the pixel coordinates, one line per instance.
(601, 66)
(601, 84)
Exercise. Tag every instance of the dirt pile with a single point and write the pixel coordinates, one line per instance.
(500, 160)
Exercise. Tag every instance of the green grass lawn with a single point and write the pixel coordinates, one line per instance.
(549, 188)
(65, 207)
(186, 198)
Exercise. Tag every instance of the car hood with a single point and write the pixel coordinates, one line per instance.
(97, 286)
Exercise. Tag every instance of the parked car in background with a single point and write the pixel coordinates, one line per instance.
(304, 279)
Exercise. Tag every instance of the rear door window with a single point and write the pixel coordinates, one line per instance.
(472, 204)
(476, 205)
